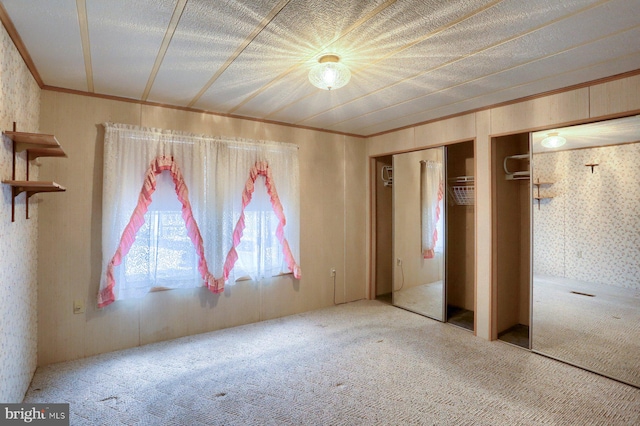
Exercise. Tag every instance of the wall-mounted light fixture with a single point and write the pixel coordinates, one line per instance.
(329, 73)
(553, 140)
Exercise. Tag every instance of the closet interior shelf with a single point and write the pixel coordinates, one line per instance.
(462, 190)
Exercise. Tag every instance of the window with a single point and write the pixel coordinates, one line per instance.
(162, 255)
(259, 251)
(431, 206)
(185, 210)
(439, 248)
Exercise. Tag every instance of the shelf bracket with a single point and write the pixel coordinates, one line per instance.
(13, 204)
(15, 191)
(13, 176)
(35, 145)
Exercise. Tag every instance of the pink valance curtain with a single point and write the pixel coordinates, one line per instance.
(214, 180)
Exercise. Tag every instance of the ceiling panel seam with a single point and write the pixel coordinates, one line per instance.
(492, 74)
(265, 21)
(83, 22)
(515, 37)
(168, 35)
(520, 85)
(511, 51)
(395, 52)
(587, 84)
(297, 65)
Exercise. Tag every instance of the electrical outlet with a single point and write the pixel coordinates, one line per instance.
(78, 306)
(332, 272)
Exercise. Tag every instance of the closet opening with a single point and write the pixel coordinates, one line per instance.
(511, 224)
(460, 234)
(382, 227)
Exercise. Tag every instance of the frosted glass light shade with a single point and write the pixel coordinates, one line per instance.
(329, 73)
(553, 141)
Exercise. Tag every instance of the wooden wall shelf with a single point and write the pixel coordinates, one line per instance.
(33, 187)
(37, 145)
(34, 153)
(539, 197)
(23, 140)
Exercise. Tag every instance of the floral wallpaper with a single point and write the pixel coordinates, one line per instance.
(19, 102)
(589, 230)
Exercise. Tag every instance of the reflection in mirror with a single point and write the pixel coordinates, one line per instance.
(586, 247)
(418, 232)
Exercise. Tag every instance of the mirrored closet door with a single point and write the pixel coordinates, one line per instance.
(419, 232)
(586, 246)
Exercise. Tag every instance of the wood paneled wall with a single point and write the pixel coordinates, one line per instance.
(511, 237)
(333, 211)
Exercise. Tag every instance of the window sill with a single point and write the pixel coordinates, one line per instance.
(248, 278)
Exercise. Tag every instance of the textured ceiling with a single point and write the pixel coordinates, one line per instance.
(411, 61)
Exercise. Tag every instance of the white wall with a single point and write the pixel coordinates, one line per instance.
(19, 102)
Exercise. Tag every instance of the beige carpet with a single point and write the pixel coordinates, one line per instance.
(363, 363)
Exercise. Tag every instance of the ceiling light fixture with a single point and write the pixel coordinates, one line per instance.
(329, 73)
(553, 141)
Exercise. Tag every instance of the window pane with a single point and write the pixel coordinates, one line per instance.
(162, 254)
(176, 254)
(259, 251)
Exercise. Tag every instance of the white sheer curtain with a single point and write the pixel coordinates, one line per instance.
(217, 175)
(162, 254)
(431, 194)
